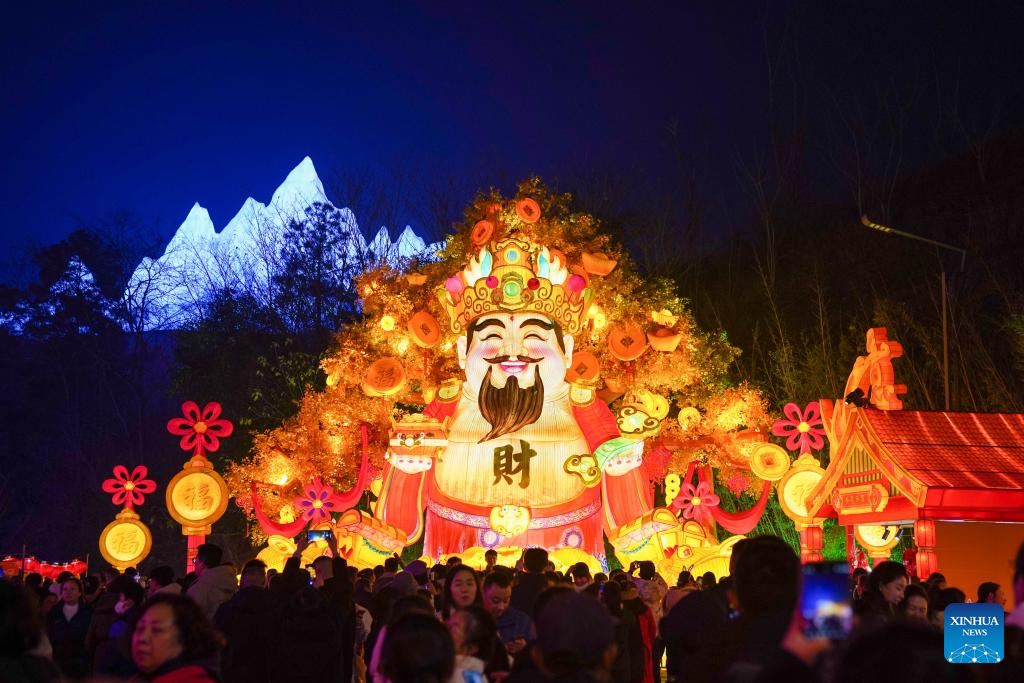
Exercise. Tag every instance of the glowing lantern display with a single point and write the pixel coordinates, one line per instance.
(802, 428)
(126, 541)
(425, 330)
(385, 377)
(769, 462)
(197, 496)
(627, 342)
(544, 418)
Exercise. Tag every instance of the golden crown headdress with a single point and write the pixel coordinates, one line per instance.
(515, 275)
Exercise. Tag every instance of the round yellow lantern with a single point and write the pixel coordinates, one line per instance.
(126, 541)
(197, 497)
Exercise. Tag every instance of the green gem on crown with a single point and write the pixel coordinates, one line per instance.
(511, 288)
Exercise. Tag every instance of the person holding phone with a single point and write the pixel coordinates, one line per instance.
(514, 626)
(475, 635)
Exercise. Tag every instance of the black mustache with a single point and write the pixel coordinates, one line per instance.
(502, 359)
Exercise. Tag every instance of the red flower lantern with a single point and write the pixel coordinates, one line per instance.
(129, 489)
(317, 502)
(696, 501)
(200, 430)
(801, 429)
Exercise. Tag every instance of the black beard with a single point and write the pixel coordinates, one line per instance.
(510, 408)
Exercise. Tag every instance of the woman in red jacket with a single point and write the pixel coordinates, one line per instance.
(173, 641)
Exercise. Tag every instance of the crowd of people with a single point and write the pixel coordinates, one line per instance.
(450, 623)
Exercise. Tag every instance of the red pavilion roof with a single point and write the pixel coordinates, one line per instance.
(955, 450)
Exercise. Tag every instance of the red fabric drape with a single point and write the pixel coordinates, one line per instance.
(271, 527)
(741, 522)
(349, 499)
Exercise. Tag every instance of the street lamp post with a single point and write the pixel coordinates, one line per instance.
(945, 306)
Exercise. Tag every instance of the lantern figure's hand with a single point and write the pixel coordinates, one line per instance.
(410, 464)
(620, 455)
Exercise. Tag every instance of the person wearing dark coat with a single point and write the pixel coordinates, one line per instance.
(67, 625)
(308, 634)
(21, 632)
(247, 621)
(104, 612)
(113, 657)
(691, 631)
(628, 664)
(531, 582)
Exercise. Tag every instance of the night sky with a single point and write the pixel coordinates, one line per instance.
(153, 106)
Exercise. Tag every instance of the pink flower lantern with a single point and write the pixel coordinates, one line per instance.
(129, 489)
(200, 431)
(801, 429)
(696, 501)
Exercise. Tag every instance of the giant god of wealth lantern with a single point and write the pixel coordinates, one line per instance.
(559, 388)
(197, 496)
(527, 459)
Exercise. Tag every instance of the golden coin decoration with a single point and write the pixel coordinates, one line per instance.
(627, 342)
(482, 233)
(385, 377)
(528, 210)
(769, 462)
(796, 486)
(585, 367)
(425, 329)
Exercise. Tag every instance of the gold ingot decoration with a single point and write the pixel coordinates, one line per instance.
(598, 264)
(416, 279)
(664, 318)
(663, 339)
(769, 462)
(688, 418)
(126, 541)
(509, 520)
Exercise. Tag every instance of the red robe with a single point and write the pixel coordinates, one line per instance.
(452, 526)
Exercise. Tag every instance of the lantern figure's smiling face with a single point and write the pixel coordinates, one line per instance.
(513, 345)
(511, 359)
